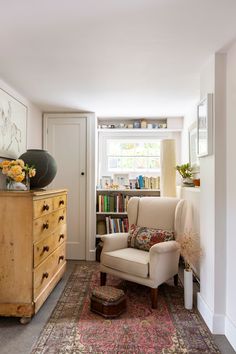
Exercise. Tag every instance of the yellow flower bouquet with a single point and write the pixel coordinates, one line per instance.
(17, 174)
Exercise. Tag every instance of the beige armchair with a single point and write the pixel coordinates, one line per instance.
(161, 262)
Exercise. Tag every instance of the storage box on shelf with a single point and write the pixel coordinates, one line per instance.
(32, 253)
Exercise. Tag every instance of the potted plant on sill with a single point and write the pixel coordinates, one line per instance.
(191, 251)
(186, 172)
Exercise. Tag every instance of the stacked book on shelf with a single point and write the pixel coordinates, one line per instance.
(143, 182)
(112, 203)
(114, 225)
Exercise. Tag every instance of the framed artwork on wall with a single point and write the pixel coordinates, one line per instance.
(13, 126)
(192, 137)
(205, 126)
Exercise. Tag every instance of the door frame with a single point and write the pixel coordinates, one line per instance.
(90, 210)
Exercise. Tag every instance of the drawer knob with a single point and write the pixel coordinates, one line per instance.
(60, 259)
(45, 275)
(45, 207)
(61, 217)
(61, 202)
(61, 237)
(45, 248)
(45, 225)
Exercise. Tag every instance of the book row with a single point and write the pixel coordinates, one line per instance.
(116, 203)
(143, 182)
(112, 225)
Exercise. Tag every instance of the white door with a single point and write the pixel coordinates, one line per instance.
(66, 142)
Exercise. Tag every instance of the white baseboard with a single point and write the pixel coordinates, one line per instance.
(215, 322)
(230, 332)
(92, 255)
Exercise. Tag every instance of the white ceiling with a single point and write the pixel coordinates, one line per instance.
(113, 57)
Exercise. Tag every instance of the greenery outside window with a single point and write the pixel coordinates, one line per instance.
(134, 156)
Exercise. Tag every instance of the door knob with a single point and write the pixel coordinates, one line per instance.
(82, 173)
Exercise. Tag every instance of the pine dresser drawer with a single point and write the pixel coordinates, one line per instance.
(59, 202)
(45, 225)
(44, 247)
(42, 207)
(46, 270)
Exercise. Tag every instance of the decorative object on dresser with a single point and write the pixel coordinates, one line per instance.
(17, 174)
(45, 165)
(32, 252)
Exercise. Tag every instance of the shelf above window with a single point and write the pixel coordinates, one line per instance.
(135, 131)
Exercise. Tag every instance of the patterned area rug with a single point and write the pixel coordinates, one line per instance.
(73, 328)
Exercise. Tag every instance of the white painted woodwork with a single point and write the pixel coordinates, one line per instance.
(66, 141)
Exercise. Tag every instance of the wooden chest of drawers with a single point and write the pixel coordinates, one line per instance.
(32, 249)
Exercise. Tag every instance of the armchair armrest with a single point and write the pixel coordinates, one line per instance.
(164, 260)
(164, 247)
(112, 242)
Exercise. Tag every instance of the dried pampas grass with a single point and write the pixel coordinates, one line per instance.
(190, 248)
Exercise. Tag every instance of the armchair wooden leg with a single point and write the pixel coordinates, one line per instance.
(176, 279)
(103, 278)
(154, 297)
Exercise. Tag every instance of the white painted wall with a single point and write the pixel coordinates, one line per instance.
(34, 121)
(211, 300)
(230, 321)
(207, 215)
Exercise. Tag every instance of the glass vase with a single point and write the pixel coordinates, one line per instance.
(18, 186)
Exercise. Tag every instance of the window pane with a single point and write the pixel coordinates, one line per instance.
(133, 156)
(134, 148)
(133, 164)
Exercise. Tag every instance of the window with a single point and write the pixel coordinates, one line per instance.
(133, 156)
(139, 154)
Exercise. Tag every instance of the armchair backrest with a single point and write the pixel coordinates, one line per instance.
(158, 212)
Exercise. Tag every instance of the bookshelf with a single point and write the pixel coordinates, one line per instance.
(111, 215)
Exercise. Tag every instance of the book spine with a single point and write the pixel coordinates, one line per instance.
(140, 179)
(107, 225)
(112, 203)
(100, 203)
(105, 203)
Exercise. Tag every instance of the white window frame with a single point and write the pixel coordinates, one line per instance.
(104, 136)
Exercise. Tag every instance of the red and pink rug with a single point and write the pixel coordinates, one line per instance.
(73, 328)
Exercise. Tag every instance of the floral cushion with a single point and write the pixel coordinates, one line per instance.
(144, 238)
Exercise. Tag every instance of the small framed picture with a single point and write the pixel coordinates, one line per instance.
(122, 179)
(205, 126)
(105, 182)
(193, 158)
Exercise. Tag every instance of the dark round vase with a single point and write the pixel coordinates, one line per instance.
(45, 165)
